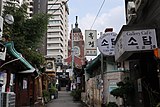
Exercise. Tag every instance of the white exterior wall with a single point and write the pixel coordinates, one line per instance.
(57, 33)
(110, 82)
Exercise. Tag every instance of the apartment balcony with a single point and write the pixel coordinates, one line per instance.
(54, 48)
(54, 30)
(54, 53)
(55, 24)
(54, 36)
(54, 42)
(52, 6)
(56, 17)
(55, 12)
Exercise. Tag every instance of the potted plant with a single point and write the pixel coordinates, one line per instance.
(76, 94)
(53, 92)
(125, 90)
(46, 96)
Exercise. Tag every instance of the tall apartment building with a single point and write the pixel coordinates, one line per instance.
(57, 33)
(36, 6)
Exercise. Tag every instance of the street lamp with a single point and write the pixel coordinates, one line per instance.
(9, 18)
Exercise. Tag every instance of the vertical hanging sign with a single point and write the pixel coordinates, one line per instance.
(90, 42)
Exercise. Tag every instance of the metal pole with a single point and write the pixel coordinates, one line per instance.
(72, 47)
(102, 75)
(102, 78)
(72, 41)
(1, 5)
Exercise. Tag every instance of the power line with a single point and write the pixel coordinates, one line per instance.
(97, 14)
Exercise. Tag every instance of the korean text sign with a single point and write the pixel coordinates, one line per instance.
(136, 40)
(90, 42)
(106, 43)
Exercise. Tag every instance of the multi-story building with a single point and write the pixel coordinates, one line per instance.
(40, 6)
(138, 43)
(57, 33)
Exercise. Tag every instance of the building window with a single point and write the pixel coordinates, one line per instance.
(31, 3)
(31, 15)
(54, 21)
(31, 9)
(24, 83)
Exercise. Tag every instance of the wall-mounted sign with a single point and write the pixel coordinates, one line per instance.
(134, 41)
(90, 42)
(106, 43)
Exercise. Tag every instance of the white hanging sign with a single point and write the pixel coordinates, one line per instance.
(106, 43)
(90, 42)
(134, 41)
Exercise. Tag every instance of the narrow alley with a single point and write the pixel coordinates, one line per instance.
(64, 100)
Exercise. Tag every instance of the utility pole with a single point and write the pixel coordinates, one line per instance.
(72, 47)
(102, 80)
(72, 42)
(102, 76)
(1, 23)
(1, 5)
(105, 51)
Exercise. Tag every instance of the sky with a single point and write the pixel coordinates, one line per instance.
(112, 15)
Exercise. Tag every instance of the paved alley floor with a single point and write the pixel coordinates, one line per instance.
(64, 100)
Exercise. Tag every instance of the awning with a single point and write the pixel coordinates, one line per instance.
(93, 64)
(28, 68)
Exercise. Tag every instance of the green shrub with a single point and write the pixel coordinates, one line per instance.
(46, 95)
(53, 90)
(76, 94)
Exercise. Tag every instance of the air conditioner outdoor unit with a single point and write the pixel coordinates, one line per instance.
(137, 4)
(131, 18)
(130, 7)
(8, 99)
(131, 13)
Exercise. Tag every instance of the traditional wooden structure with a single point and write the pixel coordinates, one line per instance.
(26, 83)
